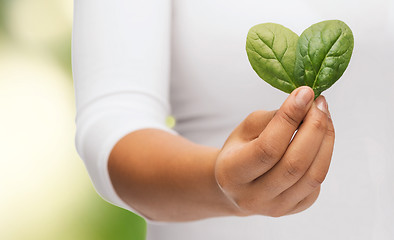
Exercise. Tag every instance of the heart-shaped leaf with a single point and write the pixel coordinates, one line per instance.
(323, 53)
(271, 51)
(317, 58)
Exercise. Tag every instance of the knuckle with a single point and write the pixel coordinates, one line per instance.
(307, 202)
(267, 152)
(278, 207)
(320, 122)
(311, 199)
(294, 168)
(316, 179)
(289, 116)
(331, 132)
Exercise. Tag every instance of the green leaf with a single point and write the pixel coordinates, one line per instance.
(317, 58)
(323, 53)
(271, 51)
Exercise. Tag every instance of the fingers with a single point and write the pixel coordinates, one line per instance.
(260, 154)
(301, 152)
(260, 181)
(316, 173)
(304, 193)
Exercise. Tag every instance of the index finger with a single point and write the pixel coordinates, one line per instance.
(269, 147)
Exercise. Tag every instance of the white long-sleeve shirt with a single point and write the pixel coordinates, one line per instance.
(137, 62)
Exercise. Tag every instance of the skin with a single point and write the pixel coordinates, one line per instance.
(260, 170)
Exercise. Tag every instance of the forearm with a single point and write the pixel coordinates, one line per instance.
(166, 177)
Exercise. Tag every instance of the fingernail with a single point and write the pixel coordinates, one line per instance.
(321, 104)
(303, 96)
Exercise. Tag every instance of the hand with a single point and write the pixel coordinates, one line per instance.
(263, 170)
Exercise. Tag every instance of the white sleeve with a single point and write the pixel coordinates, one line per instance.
(121, 64)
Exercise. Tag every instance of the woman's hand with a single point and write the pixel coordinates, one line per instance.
(260, 170)
(263, 170)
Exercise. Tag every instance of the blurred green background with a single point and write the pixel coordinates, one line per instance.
(45, 192)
